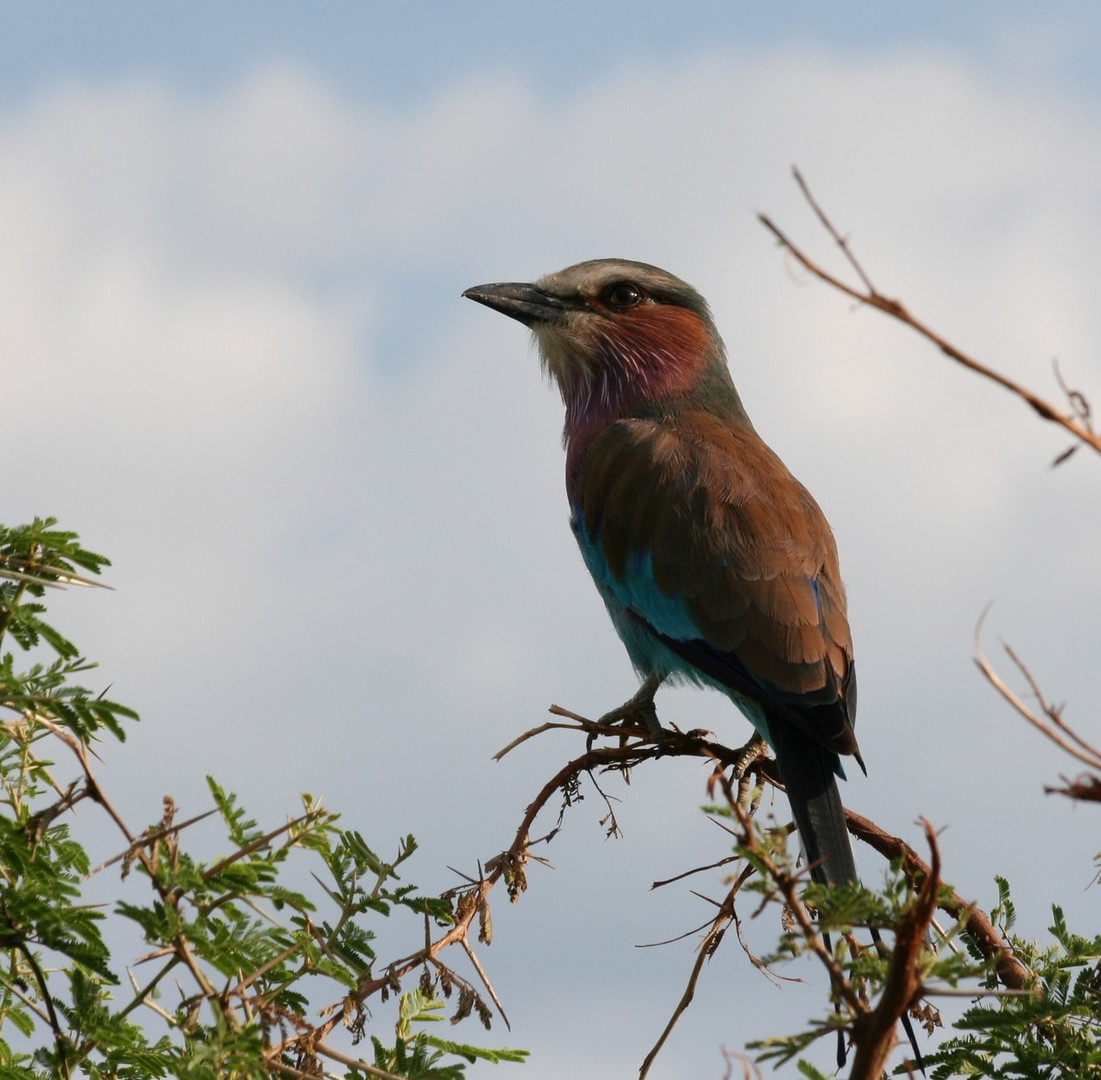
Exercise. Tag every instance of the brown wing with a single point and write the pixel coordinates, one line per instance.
(742, 544)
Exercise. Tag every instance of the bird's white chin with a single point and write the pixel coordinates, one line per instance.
(565, 362)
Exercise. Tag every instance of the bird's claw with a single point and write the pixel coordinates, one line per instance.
(749, 793)
(639, 709)
(752, 752)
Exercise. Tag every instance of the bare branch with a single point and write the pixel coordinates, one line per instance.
(703, 953)
(1048, 720)
(476, 964)
(842, 242)
(1076, 420)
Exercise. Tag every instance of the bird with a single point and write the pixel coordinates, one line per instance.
(717, 567)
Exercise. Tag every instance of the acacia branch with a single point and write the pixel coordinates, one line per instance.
(1076, 421)
(509, 865)
(639, 743)
(874, 1030)
(510, 862)
(260, 842)
(1010, 971)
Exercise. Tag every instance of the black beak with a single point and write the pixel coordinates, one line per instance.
(520, 301)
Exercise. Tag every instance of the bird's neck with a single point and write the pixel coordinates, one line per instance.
(712, 392)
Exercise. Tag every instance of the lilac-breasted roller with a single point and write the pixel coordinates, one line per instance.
(716, 565)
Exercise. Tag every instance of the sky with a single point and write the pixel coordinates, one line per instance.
(233, 240)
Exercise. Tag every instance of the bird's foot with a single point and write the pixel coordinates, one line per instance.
(741, 771)
(639, 709)
(747, 755)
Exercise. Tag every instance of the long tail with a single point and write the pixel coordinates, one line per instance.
(808, 772)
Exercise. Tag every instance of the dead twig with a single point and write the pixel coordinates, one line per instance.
(1077, 420)
(1049, 721)
(704, 951)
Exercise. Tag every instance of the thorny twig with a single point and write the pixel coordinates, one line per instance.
(924, 877)
(903, 984)
(1051, 722)
(1076, 420)
(509, 865)
(704, 951)
(1047, 719)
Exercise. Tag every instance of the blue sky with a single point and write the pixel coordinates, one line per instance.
(233, 240)
(400, 53)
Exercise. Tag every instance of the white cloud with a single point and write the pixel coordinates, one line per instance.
(332, 488)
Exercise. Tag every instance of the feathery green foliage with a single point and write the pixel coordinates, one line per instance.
(247, 955)
(1051, 1030)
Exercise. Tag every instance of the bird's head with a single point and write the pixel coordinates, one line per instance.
(614, 334)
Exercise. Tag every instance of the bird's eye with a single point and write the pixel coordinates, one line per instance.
(622, 295)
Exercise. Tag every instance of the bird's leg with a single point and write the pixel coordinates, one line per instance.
(638, 709)
(742, 770)
(753, 751)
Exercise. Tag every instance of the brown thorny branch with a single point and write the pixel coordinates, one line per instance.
(1076, 418)
(874, 1027)
(636, 744)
